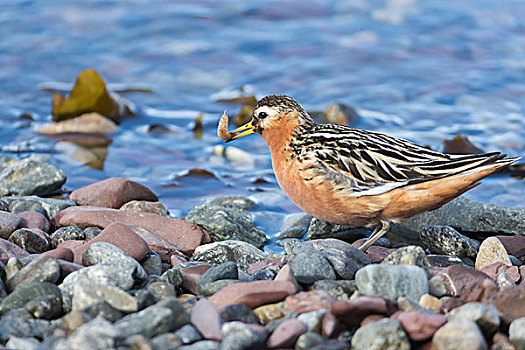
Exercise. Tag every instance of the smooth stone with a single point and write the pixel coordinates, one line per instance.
(26, 293)
(310, 340)
(22, 343)
(238, 335)
(286, 334)
(182, 234)
(91, 232)
(87, 294)
(97, 334)
(268, 313)
(294, 226)
(201, 345)
(218, 277)
(419, 326)
(68, 233)
(517, 333)
(73, 320)
(10, 250)
(504, 281)
(235, 201)
(34, 219)
(239, 312)
(33, 241)
(266, 273)
(9, 222)
(392, 281)
(459, 334)
(345, 258)
(20, 323)
(146, 207)
(384, 334)
(430, 303)
(446, 240)
(30, 176)
(491, 251)
(103, 309)
(319, 229)
(311, 266)
(313, 320)
(187, 334)
(304, 302)
(192, 275)
(286, 274)
(485, 315)
(252, 294)
(43, 269)
(207, 320)
(453, 280)
(340, 290)
(112, 193)
(172, 276)
(244, 254)
(152, 264)
(165, 341)
(411, 255)
(45, 306)
(120, 236)
(510, 303)
(102, 252)
(226, 223)
(87, 123)
(46, 206)
(148, 322)
(354, 311)
(163, 248)
(405, 304)
(377, 254)
(162, 290)
(515, 245)
(275, 262)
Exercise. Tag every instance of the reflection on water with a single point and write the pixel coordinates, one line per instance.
(423, 70)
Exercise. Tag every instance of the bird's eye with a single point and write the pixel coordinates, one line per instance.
(262, 115)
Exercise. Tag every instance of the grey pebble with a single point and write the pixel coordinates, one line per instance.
(244, 254)
(459, 334)
(188, 334)
(26, 293)
(103, 309)
(309, 340)
(91, 232)
(237, 335)
(148, 322)
(381, 335)
(22, 343)
(411, 255)
(517, 333)
(97, 334)
(29, 241)
(47, 206)
(235, 201)
(310, 266)
(152, 264)
(20, 323)
(340, 289)
(485, 316)
(44, 268)
(201, 345)
(173, 276)
(448, 241)
(218, 277)
(165, 341)
(319, 229)
(66, 234)
(162, 290)
(45, 306)
(239, 312)
(86, 294)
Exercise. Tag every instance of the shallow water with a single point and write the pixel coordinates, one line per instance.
(423, 70)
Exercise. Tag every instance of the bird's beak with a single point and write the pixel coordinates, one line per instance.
(244, 130)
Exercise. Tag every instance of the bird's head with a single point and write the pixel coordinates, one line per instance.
(274, 112)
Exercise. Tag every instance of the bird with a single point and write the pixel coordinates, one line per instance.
(349, 176)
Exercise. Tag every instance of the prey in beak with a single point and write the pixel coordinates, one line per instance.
(242, 131)
(222, 130)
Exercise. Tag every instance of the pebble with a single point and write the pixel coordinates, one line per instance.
(26, 293)
(485, 315)
(218, 277)
(515, 245)
(201, 345)
(419, 326)
(20, 323)
(43, 269)
(103, 309)
(497, 268)
(87, 294)
(269, 312)
(244, 254)
(504, 281)
(517, 333)
(173, 277)
(68, 233)
(490, 252)
(430, 303)
(184, 235)
(146, 207)
(461, 334)
(510, 303)
(352, 312)
(46, 306)
(10, 250)
(286, 334)
(22, 343)
(87, 123)
(34, 219)
(112, 193)
(207, 320)
(238, 335)
(91, 232)
(453, 279)
(311, 266)
(304, 302)
(253, 294)
(340, 289)
(9, 222)
(239, 312)
(226, 223)
(168, 341)
(392, 281)
(97, 334)
(148, 322)
(235, 201)
(446, 240)
(152, 264)
(385, 334)
(30, 176)
(33, 241)
(46, 206)
(286, 274)
(309, 340)
(294, 226)
(411, 255)
(377, 254)
(313, 319)
(163, 248)
(187, 334)
(319, 229)
(192, 275)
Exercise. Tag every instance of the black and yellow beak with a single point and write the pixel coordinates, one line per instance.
(242, 131)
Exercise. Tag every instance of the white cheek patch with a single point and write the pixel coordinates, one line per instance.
(266, 122)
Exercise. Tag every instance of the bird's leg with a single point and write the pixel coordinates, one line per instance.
(378, 233)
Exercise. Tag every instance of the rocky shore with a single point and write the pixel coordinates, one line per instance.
(105, 267)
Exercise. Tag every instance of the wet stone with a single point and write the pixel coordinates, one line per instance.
(517, 333)
(492, 251)
(218, 277)
(235, 201)
(42, 269)
(226, 223)
(30, 241)
(26, 293)
(96, 334)
(485, 315)
(319, 229)
(146, 207)
(103, 309)
(384, 334)
(86, 294)
(9, 222)
(411, 255)
(238, 335)
(392, 281)
(341, 290)
(20, 323)
(461, 334)
(152, 264)
(30, 176)
(311, 266)
(446, 240)
(67, 233)
(45, 306)
(91, 232)
(239, 312)
(216, 253)
(46, 206)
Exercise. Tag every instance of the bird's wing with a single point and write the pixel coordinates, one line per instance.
(374, 163)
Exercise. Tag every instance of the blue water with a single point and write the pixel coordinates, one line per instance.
(423, 70)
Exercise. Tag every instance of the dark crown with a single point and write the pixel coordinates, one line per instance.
(284, 104)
